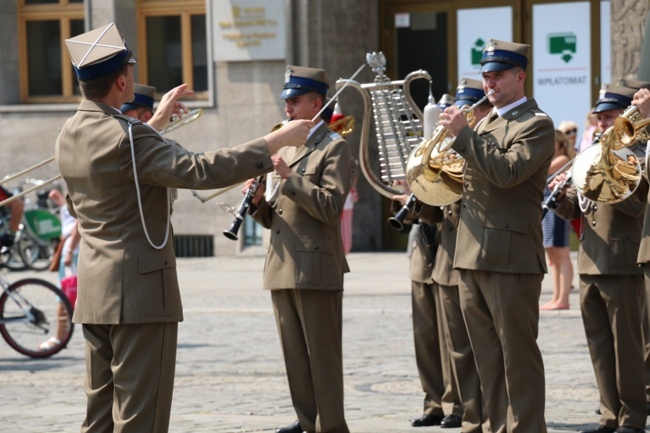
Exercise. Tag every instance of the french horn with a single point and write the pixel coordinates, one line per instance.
(434, 170)
(611, 172)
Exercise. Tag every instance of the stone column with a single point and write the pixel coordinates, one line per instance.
(628, 27)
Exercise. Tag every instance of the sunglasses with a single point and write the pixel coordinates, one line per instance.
(571, 131)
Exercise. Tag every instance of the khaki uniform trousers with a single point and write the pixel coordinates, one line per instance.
(129, 377)
(310, 329)
(431, 354)
(463, 363)
(611, 313)
(646, 333)
(501, 312)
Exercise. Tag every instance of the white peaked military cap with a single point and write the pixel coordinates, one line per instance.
(98, 52)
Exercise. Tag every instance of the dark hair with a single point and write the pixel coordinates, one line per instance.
(97, 88)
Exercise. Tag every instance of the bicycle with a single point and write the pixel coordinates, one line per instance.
(36, 238)
(32, 313)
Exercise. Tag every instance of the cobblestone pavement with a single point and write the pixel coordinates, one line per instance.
(230, 373)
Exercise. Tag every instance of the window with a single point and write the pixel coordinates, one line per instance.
(46, 74)
(173, 40)
(252, 232)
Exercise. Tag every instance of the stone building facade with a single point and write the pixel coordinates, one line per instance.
(244, 96)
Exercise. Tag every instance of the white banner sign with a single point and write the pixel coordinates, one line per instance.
(561, 60)
(248, 30)
(475, 29)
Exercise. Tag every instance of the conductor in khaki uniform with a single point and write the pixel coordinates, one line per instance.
(499, 249)
(305, 262)
(611, 283)
(117, 171)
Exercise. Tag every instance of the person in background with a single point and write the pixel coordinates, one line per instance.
(591, 129)
(64, 262)
(570, 129)
(117, 172)
(556, 235)
(346, 216)
(499, 249)
(15, 211)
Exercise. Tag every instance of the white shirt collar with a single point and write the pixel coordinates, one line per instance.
(316, 126)
(504, 110)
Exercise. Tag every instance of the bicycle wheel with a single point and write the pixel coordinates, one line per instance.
(36, 254)
(35, 318)
(10, 259)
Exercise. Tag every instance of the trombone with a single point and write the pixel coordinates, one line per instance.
(176, 123)
(27, 191)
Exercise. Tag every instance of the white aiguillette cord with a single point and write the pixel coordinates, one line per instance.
(137, 190)
(333, 98)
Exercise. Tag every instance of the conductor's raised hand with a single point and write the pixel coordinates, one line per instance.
(170, 106)
(293, 134)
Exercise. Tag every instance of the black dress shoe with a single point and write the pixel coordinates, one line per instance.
(427, 420)
(292, 428)
(627, 429)
(451, 421)
(600, 429)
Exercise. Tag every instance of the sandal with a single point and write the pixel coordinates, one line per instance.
(49, 343)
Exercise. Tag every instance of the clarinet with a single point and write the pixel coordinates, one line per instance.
(231, 232)
(551, 200)
(397, 222)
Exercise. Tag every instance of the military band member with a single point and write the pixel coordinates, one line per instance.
(611, 286)
(474, 419)
(441, 404)
(141, 107)
(499, 249)
(305, 262)
(642, 101)
(129, 302)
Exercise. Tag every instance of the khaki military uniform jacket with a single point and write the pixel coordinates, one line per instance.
(611, 234)
(306, 251)
(443, 271)
(122, 279)
(507, 158)
(644, 248)
(425, 240)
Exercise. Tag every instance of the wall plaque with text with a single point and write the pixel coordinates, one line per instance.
(248, 30)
